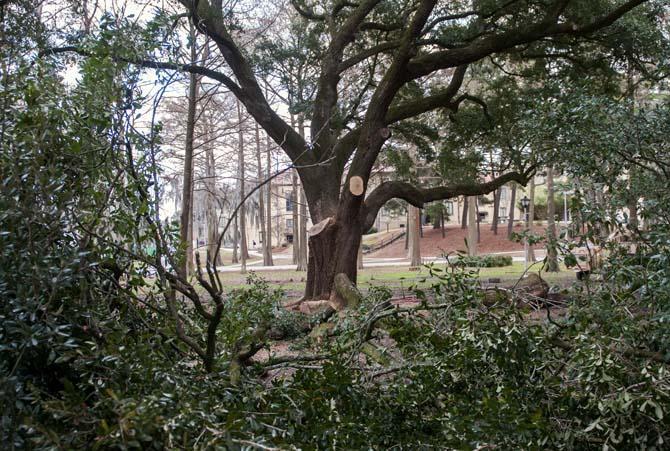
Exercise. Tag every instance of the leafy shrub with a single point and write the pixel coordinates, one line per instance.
(482, 261)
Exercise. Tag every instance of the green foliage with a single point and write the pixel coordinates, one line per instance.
(89, 361)
(67, 224)
(435, 211)
(482, 261)
(248, 307)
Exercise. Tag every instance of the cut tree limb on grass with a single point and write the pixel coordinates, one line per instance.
(530, 287)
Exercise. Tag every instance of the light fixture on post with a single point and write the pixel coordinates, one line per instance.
(525, 203)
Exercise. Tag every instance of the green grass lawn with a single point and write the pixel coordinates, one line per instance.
(397, 276)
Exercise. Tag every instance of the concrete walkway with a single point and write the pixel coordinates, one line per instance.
(256, 261)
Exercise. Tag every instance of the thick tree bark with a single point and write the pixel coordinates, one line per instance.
(472, 226)
(552, 257)
(512, 209)
(321, 264)
(334, 239)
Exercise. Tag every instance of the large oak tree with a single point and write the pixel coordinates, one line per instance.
(400, 43)
(371, 56)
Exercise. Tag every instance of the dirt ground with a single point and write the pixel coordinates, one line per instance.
(433, 245)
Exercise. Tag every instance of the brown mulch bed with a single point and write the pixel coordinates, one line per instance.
(433, 245)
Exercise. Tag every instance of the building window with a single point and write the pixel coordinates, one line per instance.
(289, 224)
(289, 202)
(503, 194)
(450, 208)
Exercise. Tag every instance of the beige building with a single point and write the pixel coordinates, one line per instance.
(392, 216)
(282, 213)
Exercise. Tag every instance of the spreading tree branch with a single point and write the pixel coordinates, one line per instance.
(547, 27)
(419, 196)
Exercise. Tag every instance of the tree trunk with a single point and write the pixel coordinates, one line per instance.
(265, 246)
(442, 223)
(335, 237)
(187, 195)
(190, 261)
(210, 211)
(330, 243)
(359, 259)
(268, 214)
(267, 256)
(407, 229)
(420, 224)
(295, 220)
(512, 208)
(496, 211)
(552, 257)
(302, 250)
(472, 225)
(531, 216)
(464, 216)
(236, 241)
(479, 230)
(411, 228)
(242, 212)
(415, 242)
